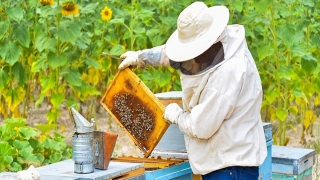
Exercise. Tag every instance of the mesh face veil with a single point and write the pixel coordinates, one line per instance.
(191, 67)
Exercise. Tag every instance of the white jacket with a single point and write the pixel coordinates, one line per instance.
(221, 119)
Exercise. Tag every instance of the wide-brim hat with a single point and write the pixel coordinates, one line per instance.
(198, 28)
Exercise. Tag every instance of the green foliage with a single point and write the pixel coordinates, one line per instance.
(22, 146)
(47, 57)
(282, 36)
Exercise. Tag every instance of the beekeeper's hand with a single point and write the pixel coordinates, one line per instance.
(172, 113)
(131, 58)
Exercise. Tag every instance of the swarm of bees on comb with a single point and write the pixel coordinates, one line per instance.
(137, 119)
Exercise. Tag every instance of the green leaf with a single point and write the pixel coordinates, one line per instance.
(14, 97)
(52, 117)
(44, 128)
(91, 62)
(315, 39)
(299, 50)
(55, 157)
(249, 18)
(264, 51)
(4, 79)
(21, 33)
(309, 3)
(19, 73)
(15, 13)
(286, 72)
(6, 149)
(15, 122)
(298, 93)
(50, 144)
(22, 145)
(4, 26)
(56, 60)
(90, 8)
(117, 50)
(146, 76)
(73, 77)
(92, 91)
(28, 158)
(117, 21)
(144, 13)
(45, 11)
(40, 100)
(40, 157)
(28, 132)
(32, 3)
(8, 160)
(38, 65)
(70, 32)
(35, 144)
(43, 41)
(286, 34)
(271, 96)
(70, 101)
(238, 5)
(10, 52)
(47, 83)
(309, 63)
(15, 167)
(281, 114)
(155, 37)
(261, 5)
(162, 78)
(56, 100)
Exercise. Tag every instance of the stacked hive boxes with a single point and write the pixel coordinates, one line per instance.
(292, 163)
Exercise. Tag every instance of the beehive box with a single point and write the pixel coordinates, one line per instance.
(162, 169)
(172, 143)
(64, 170)
(136, 109)
(292, 163)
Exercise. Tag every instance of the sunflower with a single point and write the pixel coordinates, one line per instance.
(47, 2)
(69, 8)
(106, 13)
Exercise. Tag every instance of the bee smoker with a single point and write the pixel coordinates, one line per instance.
(82, 143)
(90, 149)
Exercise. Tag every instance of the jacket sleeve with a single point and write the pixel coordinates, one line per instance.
(155, 56)
(206, 118)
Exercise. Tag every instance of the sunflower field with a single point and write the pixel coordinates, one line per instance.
(51, 52)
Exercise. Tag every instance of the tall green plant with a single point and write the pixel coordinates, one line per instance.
(282, 35)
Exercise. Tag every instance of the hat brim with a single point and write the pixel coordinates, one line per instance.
(179, 51)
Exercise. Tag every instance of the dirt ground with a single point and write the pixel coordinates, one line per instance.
(126, 147)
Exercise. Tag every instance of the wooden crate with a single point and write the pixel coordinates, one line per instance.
(292, 163)
(265, 169)
(155, 168)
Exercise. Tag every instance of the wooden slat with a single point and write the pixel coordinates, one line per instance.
(133, 173)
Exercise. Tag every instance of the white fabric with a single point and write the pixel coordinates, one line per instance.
(172, 113)
(222, 123)
(197, 28)
(221, 119)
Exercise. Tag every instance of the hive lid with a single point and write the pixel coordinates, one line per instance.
(170, 97)
(136, 109)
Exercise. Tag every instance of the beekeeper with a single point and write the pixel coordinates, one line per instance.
(221, 93)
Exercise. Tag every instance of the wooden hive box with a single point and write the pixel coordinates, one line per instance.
(292, 163)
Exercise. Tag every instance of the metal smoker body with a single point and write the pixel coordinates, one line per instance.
(82, 143)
